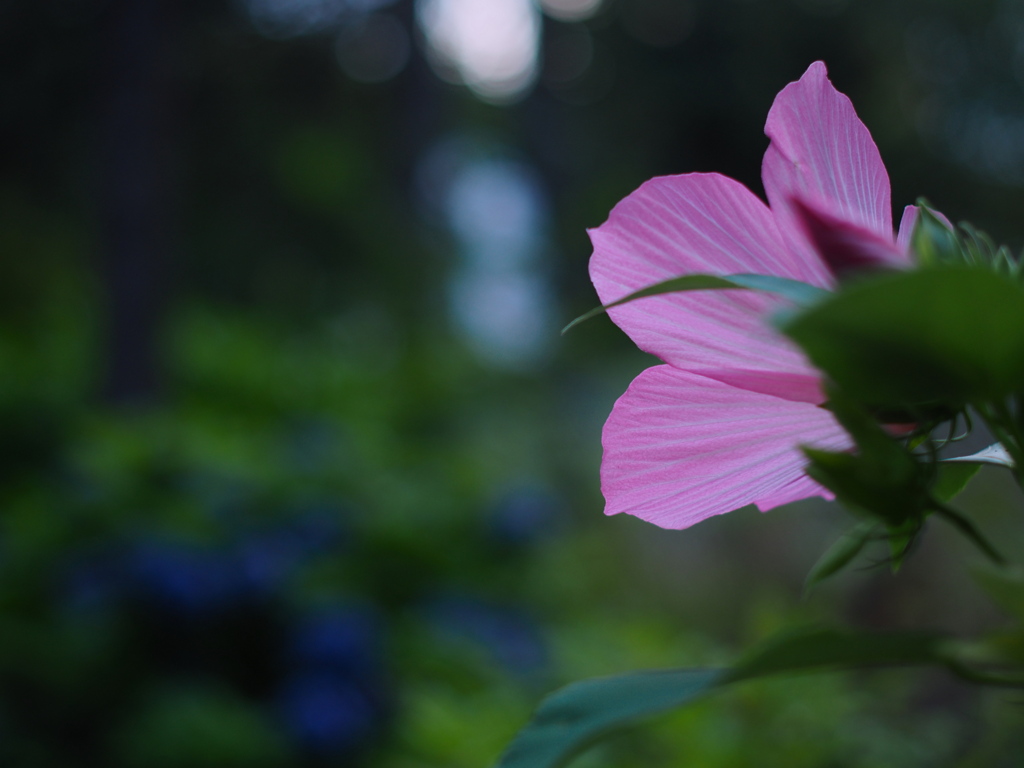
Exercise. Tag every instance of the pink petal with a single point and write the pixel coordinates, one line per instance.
(680, 448)
(676, 225)
(844, 246)
(801, 387)
(822, 153)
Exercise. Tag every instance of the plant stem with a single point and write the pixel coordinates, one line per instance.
(968, 529)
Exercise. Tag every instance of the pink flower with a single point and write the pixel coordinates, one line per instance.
(720, 424)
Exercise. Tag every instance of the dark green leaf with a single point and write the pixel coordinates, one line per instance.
(821, 648)
(801, 294)
(940, 335)
(1005, 585)
(875, 445)
(893, 498)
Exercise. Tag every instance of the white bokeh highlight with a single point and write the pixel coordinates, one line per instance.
(570, 10)
(499, 294)
(489, 45)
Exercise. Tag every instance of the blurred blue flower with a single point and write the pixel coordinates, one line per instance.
(340, 638)
(319, 525)
(179, 576)
(508, 635)
(265, 563)
(267, 558)
(327, 713)
(89, 581)
(524, 514)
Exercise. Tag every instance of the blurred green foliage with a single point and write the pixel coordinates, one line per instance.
(321, 531)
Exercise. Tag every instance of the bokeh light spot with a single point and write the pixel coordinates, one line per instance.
(570, 10)
(489, 45)
(567, 55)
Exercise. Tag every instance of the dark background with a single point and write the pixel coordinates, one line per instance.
(295, 469)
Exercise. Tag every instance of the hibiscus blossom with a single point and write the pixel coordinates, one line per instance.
(720, 424)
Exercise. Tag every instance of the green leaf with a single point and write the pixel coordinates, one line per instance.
(881, 479)
(579, 714)
(801, 294)
(951, 478)
(939, 335)
(571, 719)
(970, 531)
(877, 446)
(1005, 585)
(822, 648)
(840, 554)
(1001, 651)
(996, 659)
(893, 495)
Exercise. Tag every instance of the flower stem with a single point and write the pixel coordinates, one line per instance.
(968, 529)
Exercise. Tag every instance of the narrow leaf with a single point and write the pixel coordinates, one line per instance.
(840, 554)
(802, 294)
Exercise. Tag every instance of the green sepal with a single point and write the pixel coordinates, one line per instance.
(935, 242)
(901, 541)
(882, 480)
(951, 478)
(841, 553)
(932, 241)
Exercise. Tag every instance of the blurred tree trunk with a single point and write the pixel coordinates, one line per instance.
(137, 145)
